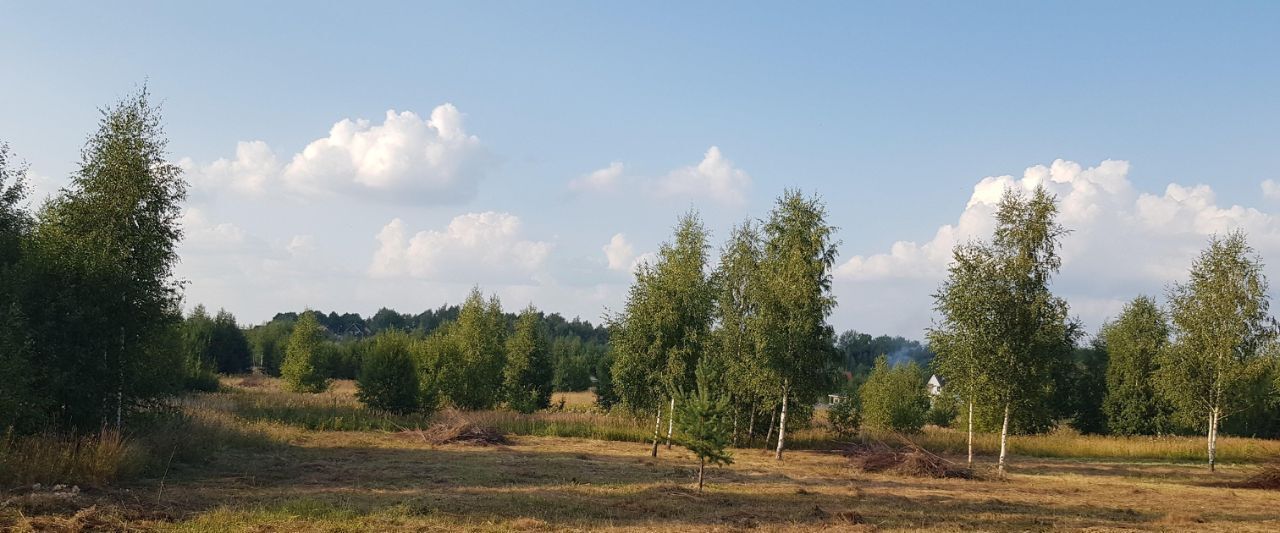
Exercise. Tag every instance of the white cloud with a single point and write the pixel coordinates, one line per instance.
(619, 252)
(1271, 189)
(249, 173)
(602, 180)
(1123, 243)
(475, 248)
(406, 157)
(714, 177)
(301, 245)
(200, 233)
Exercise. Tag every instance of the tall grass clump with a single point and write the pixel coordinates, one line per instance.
(1066, 444)
(319, 412)
(81, 460)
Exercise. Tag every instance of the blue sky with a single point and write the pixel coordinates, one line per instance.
(893, 112)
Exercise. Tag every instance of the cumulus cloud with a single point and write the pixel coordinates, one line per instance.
(619, 252)
(251, 170)
(1123, 242)
(601, 180)
(1271, 189)
(476, 247)
(715, 177)
(201, 234)
(406, 157)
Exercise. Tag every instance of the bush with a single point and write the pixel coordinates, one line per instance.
(302, 369)
(845, 417)
(943, 411)
(388, 379)
(895, 398)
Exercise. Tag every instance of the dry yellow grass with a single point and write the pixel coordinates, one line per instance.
(382, 481)
(313, 480)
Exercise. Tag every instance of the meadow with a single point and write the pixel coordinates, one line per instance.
(255, 458)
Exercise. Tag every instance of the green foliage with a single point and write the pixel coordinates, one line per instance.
(793, 300)
(388, 379)
(1081, 388)
(95, 283)
(606, 397)
(1133, 343)
(20, 406)
(214, 344)
(895, 397)
(572, 362)
(858, 351)
(430, 356)
(470, 372)
(845, 417)
(661, 333)
(302, 368)
(734, 349)
(943, 410)
(527, 374)
(704, 422)
(269, 342)
(1220, 329)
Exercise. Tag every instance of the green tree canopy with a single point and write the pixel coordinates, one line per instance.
(1221, 325)
(1133, 342)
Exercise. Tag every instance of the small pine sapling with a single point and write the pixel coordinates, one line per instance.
(704, 421)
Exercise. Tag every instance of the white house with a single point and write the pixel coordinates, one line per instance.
(935, 385)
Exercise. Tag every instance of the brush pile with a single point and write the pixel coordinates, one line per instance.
(452, 427)
(910, 460)
(1267, 477)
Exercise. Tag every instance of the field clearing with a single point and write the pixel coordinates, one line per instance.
(282, 475)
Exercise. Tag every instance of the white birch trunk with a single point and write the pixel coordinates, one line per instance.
(1213, 438)
(671, 421)
(735, 425)
(702, 465)
(971, 432)
(769, 436)
(1004, 440)
(782, 426)
(657, 426)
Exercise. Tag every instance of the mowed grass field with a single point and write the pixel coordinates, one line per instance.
(358, 475)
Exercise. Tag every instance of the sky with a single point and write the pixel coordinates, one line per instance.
(350, 157)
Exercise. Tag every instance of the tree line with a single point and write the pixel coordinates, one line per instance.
(88, 301)
(1007, 345)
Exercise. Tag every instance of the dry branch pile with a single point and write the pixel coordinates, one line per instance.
(1267, 477)
(910, 460)
(452, 427)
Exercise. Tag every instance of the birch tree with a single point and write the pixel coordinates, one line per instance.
(1002, 329)
(963, 341)
(1221, 326)
(794, 302)
(1032, 326)
(745, 374)
(665, 326)
(106, 248)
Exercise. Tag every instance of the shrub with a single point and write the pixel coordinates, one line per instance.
(388, 379)
(895, 398)
(944, 409)
(703, 419)
(302, 369)
(845, 417)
